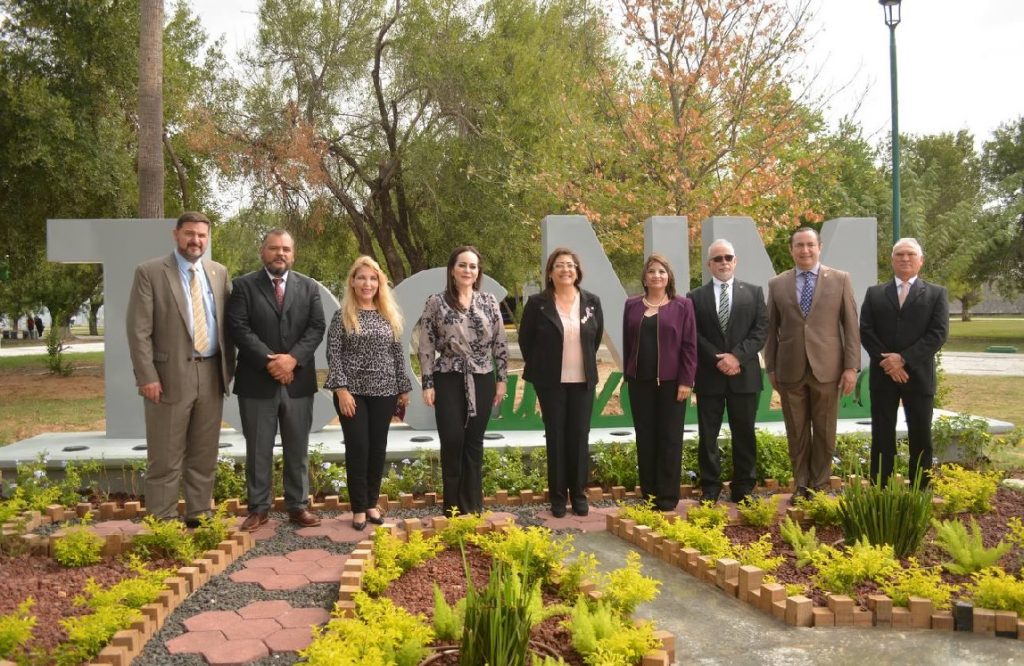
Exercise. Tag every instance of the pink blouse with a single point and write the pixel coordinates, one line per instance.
(572, 347)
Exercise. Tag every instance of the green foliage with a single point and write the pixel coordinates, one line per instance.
(421, 474)
(995, 589)
(79, 547)
(212, 530)
(805, 544)
(605, 638)
(1016, 535)
(497, 622)
(644, 513)
(381, 634)
(509, 469)
(853, 453)
(918, 581)
(229, 482)
(968, 434)
(581, 569)
(821, 508)
(773, 457)
(55, 361)
(840, 571)
(759, 554)
(897, 515)
(448, 620)
(88, 634)
(708, 515)
(615, 464)
(965, 489)
(535, 546)
(626, 588)
(459, 528)
(325, 478)
(164, 539)
(967, 550)
(393, 557)
(709, 540)
(16, 628)
(759, 511)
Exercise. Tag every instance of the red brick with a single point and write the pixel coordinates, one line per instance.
(289, 640)
(1006, 621)
(942, 621)
(236, 652)
(798, 611)
(823, 617)
(984, 621)
(900, 617)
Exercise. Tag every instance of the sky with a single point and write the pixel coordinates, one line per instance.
(959, 61)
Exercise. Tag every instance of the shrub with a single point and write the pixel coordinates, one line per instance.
(393, 557)
(967, 550)
(79, 547)
(995, 589)
(710, 541)
(510, 470)
(166, 539)
(839, 571)
(627, 588)
(805, 544)
(16, 628)
(212, 530)
(759, 512)
(918, 581)
(759, 554)
(448, 620)
(773, 457)
(964, 489)
(459, 528)
(605, 638)
(708, 515)
(325, 478)
(821, 508)
(496, 626)
(380, 634)
(968, 434)
(897, 515)
(533, 547)
(583, 568)
(615, 464)
(644, 513)
(88, 634)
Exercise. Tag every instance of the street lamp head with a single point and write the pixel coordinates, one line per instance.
(892, 12)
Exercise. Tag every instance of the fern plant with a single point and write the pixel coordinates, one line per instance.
(804, 544)
(448, 619)
(967, 550)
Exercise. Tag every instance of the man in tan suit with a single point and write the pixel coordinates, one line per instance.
(812, 354)
(182, 367)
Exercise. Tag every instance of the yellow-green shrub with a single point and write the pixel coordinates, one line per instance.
(995, 589)
(759, 554)
(918, 581)
(381, 634)
(605, 638)
(393, 557)
(626, 588)
(759, 512)
(710, 541)
(16, 628)
(79, 547)
(839, 571)
(965, 489)
(546, 552)
(708, 515)
(821, 508)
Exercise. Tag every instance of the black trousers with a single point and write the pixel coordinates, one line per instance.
(742, 418)
(366, 442)
(566, 410)
(462, 441)
(658, 420)
(917, 407)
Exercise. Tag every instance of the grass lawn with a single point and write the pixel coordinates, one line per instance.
(994, 397)
(979, 333)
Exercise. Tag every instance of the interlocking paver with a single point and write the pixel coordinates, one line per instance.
(332, 561)
(595, 521)
(268, 562)
(325, 575)
(212, 621)
(268, 530)
(232, 653)
(307, 554)
(337, 529)
(290, 640)
(194, 641)
(298, 617)
(264, 609)
(250, 575)
(283, 582)
(252, 628)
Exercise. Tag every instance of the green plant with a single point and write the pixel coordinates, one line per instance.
(133, 473)
(643, 513)
(164, 539)
(605, 638)
(853, 455)
(380, 634)
(759, 511)
(615, 464)
(16, 628)
(229, 482)
(393, 557)
(212, 530)
(918, 581)
(995, 589)
(965, 489)
(967, 433)
(709, 540)
(325, 478)
(821, 508)
(896, 514)
(773, 457)
(79, 547)
(496, 628)
(627, 587)
(55, 361)
(88, 634)
(583, 568)
(448, 620)
(510, 470)
(534, 547)
(805, 544)
(967, 550)
(459, 528)
(708, 515)
(759, 554)
(839, 571)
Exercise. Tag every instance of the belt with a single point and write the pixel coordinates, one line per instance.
(200, 359)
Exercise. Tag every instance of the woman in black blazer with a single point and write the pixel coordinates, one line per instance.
(559, 335)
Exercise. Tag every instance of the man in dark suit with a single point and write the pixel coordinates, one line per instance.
(903, 324)
(183, 368)
(276, 320)
(732, 324)
(811, 356)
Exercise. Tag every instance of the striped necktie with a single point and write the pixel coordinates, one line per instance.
(723, 307)
(200, 336)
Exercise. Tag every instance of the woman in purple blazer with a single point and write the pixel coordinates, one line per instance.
(659, 334)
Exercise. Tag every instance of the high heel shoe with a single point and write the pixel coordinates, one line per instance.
(376, 520)
(359, 525)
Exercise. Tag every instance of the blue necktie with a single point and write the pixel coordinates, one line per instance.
(807, 293)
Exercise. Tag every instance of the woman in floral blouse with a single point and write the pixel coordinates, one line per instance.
(464, 362)
(366, 370)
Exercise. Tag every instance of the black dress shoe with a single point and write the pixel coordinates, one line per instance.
(192, 523)
(800, 493)
(376, 520)
(558, 511)
(580, 507)
(360, 526)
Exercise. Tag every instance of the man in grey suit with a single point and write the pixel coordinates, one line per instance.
(732, 324)
(182, 367)
(812, 355)
(903, 324)
(276, 320)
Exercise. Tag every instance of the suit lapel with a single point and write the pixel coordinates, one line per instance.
(266, 287)
(916, 291)
(891, 295)
(789, 291)
(178, 290)
(547, 307)
(709, 311)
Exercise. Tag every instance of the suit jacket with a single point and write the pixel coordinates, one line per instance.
(744, 337)
(159, 319)
(828, 339)
(916, 331)
(540, 338)
(258, 328)
(677, 339)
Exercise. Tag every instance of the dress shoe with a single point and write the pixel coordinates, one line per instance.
(800, 493)
(192, 523)
(359, 525)
(305, 518)
(376, 520)
(254, 521)
(558, 510)
(580, 507)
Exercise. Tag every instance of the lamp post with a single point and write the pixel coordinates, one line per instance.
(892, 19)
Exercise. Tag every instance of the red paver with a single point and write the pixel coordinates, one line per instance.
(232, 653)
(284, 582)
(290, 640)
(333, 561)
(332, 575)
(307, 554)
(194, 641)
(253, 628)
(212, 621)
(298, 568)
(251, 575)
(263, 609)
(303, 617)
(337, 529)
(595, 521)
(268, 562)
(268, 529)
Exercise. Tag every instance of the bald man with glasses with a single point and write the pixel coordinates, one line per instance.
(732, 324)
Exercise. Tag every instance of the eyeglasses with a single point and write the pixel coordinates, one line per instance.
(561, 266)
(723, 257)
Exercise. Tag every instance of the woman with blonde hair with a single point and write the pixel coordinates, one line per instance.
(366, 372)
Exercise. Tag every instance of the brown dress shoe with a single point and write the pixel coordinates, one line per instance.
(254, 521)
(304, 517)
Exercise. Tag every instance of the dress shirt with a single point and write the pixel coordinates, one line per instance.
(185, 272)
(801, 277)
(718, 292)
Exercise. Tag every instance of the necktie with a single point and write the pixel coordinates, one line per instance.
(904, 288)
(279, 291)
(723, 307)
(807, 293)
(200, 337)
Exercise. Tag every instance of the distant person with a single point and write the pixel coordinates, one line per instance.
(30, 326)
(560, 332)
(812, 356)
(366, 373)
(276, 320)
(39, 326)
(463, 354)
(732, 324)
(183, 367)
(659, 335)
(903, 324)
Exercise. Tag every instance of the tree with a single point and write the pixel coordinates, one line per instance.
(1002, 165)
(151, 109)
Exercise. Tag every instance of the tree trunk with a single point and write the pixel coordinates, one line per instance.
(151, 111)
(94, 310)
